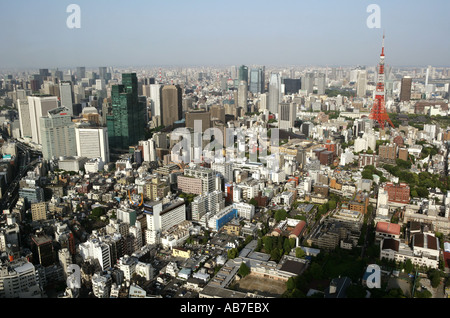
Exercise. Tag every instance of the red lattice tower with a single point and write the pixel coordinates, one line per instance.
(378, 112)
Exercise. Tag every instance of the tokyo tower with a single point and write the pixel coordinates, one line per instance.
(378, 112)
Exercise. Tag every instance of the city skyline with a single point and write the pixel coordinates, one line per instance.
(148, 33)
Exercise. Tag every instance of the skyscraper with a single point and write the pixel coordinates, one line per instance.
(292, 85)
(24, 118)
(274, 92)
(255, 80)
(65, 90)
(405, 90)
(126, 122)
(92, 142)
(155, 96)
(286, 115)
(102, 73)
(321, 83)
(242, 95)
(58, 134)
(171, 104)
(81, 73)
(308, 83)
(243, 73)
(38, 107)
(361, 84)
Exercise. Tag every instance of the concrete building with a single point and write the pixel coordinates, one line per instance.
(58, 134)
(287, 113)
(17, 278)
(171, 104)
(66, 95)
(92, 142)
(161, 217)
(38, 107)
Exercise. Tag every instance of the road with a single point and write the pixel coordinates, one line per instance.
(27, 158)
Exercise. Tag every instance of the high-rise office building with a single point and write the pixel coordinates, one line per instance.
(42, 248)
(243, 73)
(38, 107)
(155, 96)
(67, 99)
(24, 118)
(286, 115)
(321, 83)
(274, 92)
(43, 72)
(256, 84)
(81, 73)
(308, 83)
(291, 85)
(198, 115)
(58, 134)
(361, 84)
(161, 217)
(92, 142)
(405, 90)
(126, 122)
(242, 95)
(171, 104)
(103, 73)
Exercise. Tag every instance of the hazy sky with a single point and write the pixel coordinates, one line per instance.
(231, 32)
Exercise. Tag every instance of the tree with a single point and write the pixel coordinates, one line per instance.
(290, 284)
(316, 270)
(408, 266)
(286, 246)
(232, 253)
(268, 244)
(244, 270)
(275, 255)
(435, 278)
(280, 215)
(300, 253)
(253, 202)
(332, 204)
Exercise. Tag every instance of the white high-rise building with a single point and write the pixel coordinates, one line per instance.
(263, 102)
(92, 142)
(212, 202)
(225, 169)
(58, 134)
(161, 217)
(361, 86)
(156, 99)
(274, 92)
(39, 106)
(149, 150)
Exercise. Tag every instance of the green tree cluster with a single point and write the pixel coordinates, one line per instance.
(276, 246)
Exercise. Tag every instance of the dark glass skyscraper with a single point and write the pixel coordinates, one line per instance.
(126, 122)
(256, 84)
(243, 73)
(292, 85)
